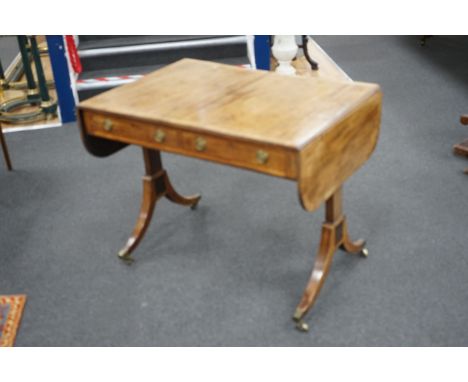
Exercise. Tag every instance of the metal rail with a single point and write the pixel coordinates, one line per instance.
(110, 82)
(15, 69)
(16, 129)
(162, 46)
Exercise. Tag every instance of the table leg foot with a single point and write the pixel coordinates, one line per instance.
(302, 326)
(175, 197)
(350, 246)
(125, 256)
(319, 273)
(144, 218)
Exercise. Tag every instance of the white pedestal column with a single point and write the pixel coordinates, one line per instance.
(284, 50)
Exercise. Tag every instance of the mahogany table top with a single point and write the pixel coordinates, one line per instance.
(231, 101)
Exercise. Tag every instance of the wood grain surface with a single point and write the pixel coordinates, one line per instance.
(327, 162)
(229, 101)
(239, 153)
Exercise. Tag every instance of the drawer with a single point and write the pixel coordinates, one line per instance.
(263, 158)
(256, 156)
(134, 132)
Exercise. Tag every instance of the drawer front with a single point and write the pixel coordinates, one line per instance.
(267, 159)
(132, 132)
(262, 158)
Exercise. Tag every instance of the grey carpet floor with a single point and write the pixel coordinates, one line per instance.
(231, 272)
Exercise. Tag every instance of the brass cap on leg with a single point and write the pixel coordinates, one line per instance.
(301, 325)
(124, 255)
(298, 314)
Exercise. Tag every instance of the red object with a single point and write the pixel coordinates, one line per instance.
(73, 54)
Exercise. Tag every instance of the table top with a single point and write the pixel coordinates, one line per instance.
(208, 97)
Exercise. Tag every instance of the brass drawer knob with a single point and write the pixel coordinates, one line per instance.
(160, 136)
(108, 125)
(200, 144)
(262, 157)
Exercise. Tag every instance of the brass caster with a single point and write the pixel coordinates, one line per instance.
(195, 205)
(125, 257)
(365, 252)
(302, 326)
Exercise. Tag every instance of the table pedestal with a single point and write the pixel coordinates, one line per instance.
(334, 235)
(156, 184)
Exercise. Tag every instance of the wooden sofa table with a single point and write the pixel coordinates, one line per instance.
(310, 130)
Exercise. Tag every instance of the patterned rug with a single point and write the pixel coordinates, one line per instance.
(11, 309)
